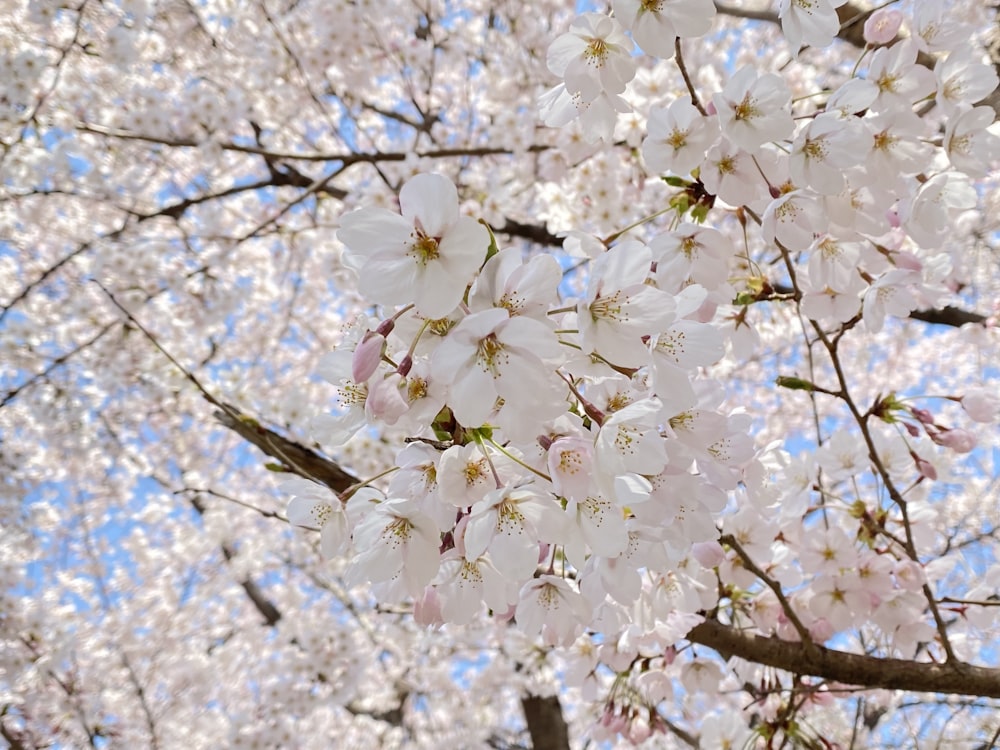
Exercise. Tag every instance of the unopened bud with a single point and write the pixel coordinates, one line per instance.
(882, 26)
(925, 467)
(367, 355)
(981, 405)
(960, 441)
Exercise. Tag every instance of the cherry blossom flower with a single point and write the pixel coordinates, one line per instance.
(962, 80)
(682, 348)
(629, 441)
(570, 460)
(521, 288)
(842, 457)
(656, 24)
(936, 29)
(510, 524)
(678, 137)
(730, 173)
(428, 255)
(794, 220)
(981, 404)
(316, 507)
(396, 539)
(558, 107)
(896, 149)
(929, 217)
(464, 585)
(882, 26)
(810, 22)
(821, 152)
(593, 57)
(900, 81)
(491, 355)
(701, 254)
(464, 475)
(754, 109)
(550, 605)
(600, 524)
(970, 146)
(620, 308)
(889, 295)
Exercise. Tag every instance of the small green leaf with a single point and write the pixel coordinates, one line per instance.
(794, 384)
(493, 249)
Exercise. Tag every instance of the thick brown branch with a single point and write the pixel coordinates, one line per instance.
(852, 24)
(850, 669)
(546, 724)
(12, 738)
(537, 233)
(945, 316)
(949, 316)
(295, 457)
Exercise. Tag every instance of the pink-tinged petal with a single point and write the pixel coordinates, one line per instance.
(473, 396)
(563, 50)
(530, 335)
(379, 562)
(547, 518)
(368, 231)
(623, 265)
(335, 535)
(655, 34)
(387, 279)
(479, 533)
(435, 293)
(308, 512)
(513, 552)
(419, 568)
(430, 201)
(463, 248)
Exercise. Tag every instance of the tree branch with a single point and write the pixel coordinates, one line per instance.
(295, 457)
(546, 724)
(955, 678)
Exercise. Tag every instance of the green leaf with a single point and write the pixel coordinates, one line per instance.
(493, 249)
(794, 384)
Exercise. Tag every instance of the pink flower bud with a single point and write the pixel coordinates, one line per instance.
(981, 405)
(669, 655)
(912, 429)
(405, 365)
(925, 467)
(882, 26)
(960, 441)
(639, 730)
(922, 414)
(367, 355)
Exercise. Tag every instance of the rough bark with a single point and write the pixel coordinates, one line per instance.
(546, 724)
(847, 668)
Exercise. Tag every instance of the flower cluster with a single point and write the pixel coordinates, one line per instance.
(547, 433)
